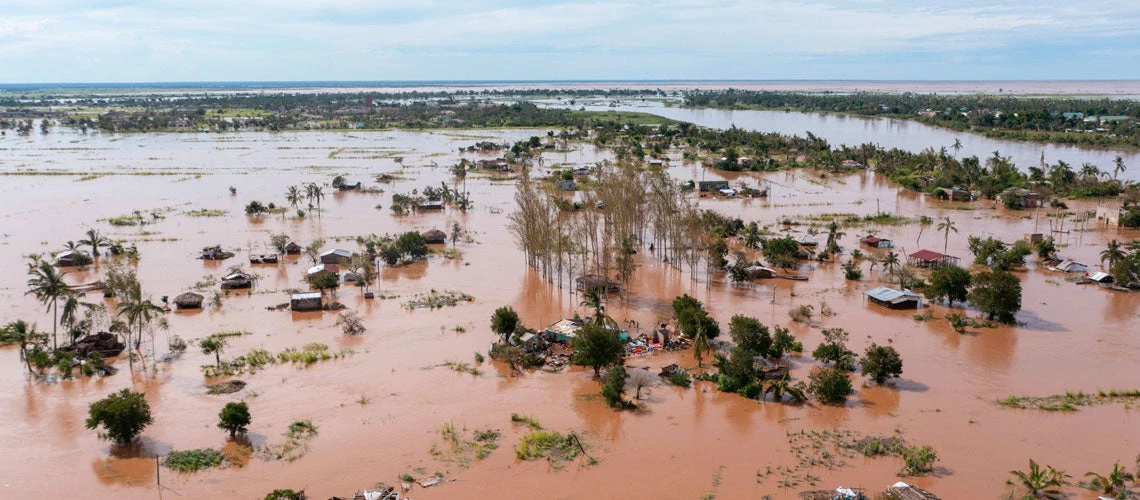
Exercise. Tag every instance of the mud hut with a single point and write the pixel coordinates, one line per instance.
(308, 301)
(598, 283)
(237, 279)
(434, 237)
(292, 248)
(189, 300)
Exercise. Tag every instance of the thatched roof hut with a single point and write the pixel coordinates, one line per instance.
(215, 253)
(189, 300)
(72, 258)
(236, 280)
(292, 248)
(434, 237)
(597, 282)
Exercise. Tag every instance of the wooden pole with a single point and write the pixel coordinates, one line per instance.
(157, 471)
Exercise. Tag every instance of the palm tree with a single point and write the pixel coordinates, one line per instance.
(1112, 254)
(1041, 482)
(71, 245)
(25, 335)
(890, 262)
(71, 306)
(293, 196)
(783, 386)
(833, 236)
(1089, 172)
(314, 193)
(946, 226)
(48, 285)
(700, 343)
(95, 241)
(1113, 484)
(1118, 166)
(957, 146)
(592, 298)
(139, 313)
(750, 236)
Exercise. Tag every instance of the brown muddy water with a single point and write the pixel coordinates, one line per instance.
(685, 444)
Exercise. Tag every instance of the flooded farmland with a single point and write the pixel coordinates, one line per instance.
(379, 410)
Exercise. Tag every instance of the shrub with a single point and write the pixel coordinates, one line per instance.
(123, 416)
(285, 494)
(692, 317)
(918, 460)
(613, 386)
(234, 418)
(680, 379)
(597, 347)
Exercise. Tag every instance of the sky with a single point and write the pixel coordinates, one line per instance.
(376, 40)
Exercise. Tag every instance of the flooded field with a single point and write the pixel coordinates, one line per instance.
(379, 410)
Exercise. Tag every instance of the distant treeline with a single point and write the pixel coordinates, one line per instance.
(1099, 122)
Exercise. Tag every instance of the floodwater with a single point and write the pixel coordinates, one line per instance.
(685, 443)
(907, 135)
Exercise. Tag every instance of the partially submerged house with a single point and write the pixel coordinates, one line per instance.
(850, 165)
(306, 301)
(336, 256)
(877, 242)
(434, 237)
(215, 253)
(430, 205)
(319, 269)
(903, 491)
(929, 259)
(563, 330)
(953, 194)
(531, 342)
(1019, 198)
(1069, 266)
(759, 272)
(707, 186)
(597, 282)
(1118, 215)
(807, 240)
(566, 185)
(237, 279)
(270, 258)
(188, 300)
(292, 248)
(894, 299)
(343, 185)
(1102, 278)
(72, 258)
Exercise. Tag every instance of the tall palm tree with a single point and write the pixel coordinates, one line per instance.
(1112, 254)
(957, 146)
(48, 285)
(592, 298)
(1041, 482)
(750, 236)
(314, 193)
(24, 335)
(783, 386)
(95, 241)
(139, 312)
(946, 226)
(293, 196)
(1113, 484)
(833, 235)
(1118, 166)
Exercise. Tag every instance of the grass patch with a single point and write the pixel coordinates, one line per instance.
(207, 212)
(436, 299)
(463, 367)
(296, 443)
(526, 419)
(553, 446)
(463, 447)
(1070, 401)
(194, 460)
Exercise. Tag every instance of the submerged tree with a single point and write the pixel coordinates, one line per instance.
(122, 415)
(1041, 482)
(234, 418)
(95, 241)
(596, 347)
(139, 312)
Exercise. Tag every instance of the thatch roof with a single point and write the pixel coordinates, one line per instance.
(292, 248)
(188, 300)
(435, 236)
(596, 282)
(907, 492)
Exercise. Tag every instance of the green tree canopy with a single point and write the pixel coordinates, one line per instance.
(996, 293)
(881, 363)
(596, 347)
(948, 283)
(123, 416)
(234, 418)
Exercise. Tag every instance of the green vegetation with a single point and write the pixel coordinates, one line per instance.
(948, 283)
(194, 460)
(1041, 482)
(437, 300)
(834, 350)
(830, 385)
(597, 347)
(122, 415)
(613, 387)
(463, 449)
(996, 293)
(285, 494)
(526, 419)
(551, 445)
(504, 321)
(296, 442)
(207, 212)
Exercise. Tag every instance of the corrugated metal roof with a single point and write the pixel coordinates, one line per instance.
(885, 294)
(306, 295)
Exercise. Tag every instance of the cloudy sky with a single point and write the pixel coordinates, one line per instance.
(279, 40)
